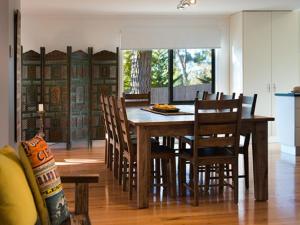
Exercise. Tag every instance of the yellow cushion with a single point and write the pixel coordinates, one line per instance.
(39, 200)
(16, 202)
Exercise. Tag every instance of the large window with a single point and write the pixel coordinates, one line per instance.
(172, 76)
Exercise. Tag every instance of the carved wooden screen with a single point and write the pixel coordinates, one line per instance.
(80, 78)
(69, 85)
(105, 79)
(56, 97)
(30, 94)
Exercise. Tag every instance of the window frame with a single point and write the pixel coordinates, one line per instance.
(170, 76)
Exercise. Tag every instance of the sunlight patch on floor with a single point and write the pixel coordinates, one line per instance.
(66, 163)
(83, 161)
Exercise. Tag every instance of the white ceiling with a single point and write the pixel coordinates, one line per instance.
(150, 7)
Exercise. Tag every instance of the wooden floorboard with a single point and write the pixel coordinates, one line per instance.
(110, 206)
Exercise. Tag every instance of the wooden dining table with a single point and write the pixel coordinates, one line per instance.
(149, 124)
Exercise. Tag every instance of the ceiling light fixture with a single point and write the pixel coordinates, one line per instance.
(185, 3)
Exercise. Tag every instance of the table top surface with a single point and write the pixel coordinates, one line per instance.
(137, 116)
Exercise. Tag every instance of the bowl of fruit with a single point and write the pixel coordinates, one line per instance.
(165, 108)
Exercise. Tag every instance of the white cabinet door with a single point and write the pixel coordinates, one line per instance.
(236, 53)
(285, 56)
(257, 59)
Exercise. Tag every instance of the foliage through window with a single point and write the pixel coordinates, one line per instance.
(171, 75)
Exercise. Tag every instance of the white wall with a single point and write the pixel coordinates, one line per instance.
(103, 32)
(4, 70)
(7, 71)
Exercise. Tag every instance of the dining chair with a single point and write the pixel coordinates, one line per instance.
(129, 146)
(118, 150)
(108, 134)
(145, 100)
(142, 99)
(248, 108)
(183, 141)
(216, 142)
(111, 135)
(206, 96)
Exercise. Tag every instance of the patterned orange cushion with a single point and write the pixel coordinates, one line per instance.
(48, 179)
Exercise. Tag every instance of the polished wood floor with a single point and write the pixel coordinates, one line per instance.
(110, 206)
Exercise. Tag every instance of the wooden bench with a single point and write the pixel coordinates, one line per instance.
(81, 214)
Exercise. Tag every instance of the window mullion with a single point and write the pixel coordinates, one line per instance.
(170, 73)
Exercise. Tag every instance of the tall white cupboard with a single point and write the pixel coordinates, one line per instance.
(264, 56)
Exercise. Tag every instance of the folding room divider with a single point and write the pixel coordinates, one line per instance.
(68, 84)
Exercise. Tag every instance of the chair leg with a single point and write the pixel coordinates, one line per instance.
(157, 172)
(207, 177)
(164, 173)
(191, 175)
(116, 162)
(106, 153)
(221, 177)
(152, 173)
(180, 144)
(182, 177)
(227, 168)
(110, 156)
(120, 167)
(124, 174)
(130, 179)
(172, 177)
(246, 167)
(108, 150)
(172, 142)
(196, 182)
(165, 141)
(235, 181)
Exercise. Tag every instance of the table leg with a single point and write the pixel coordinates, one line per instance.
(260, 160)
(143, 167)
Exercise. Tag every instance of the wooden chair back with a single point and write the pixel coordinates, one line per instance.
(248, 109)
(137, 99)
(114, 120)
(249, 104)
(203, 95)
(227, 97)
(123, 126)
(217, 124)
(109, 118)
(210, 96)
(102, 108)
